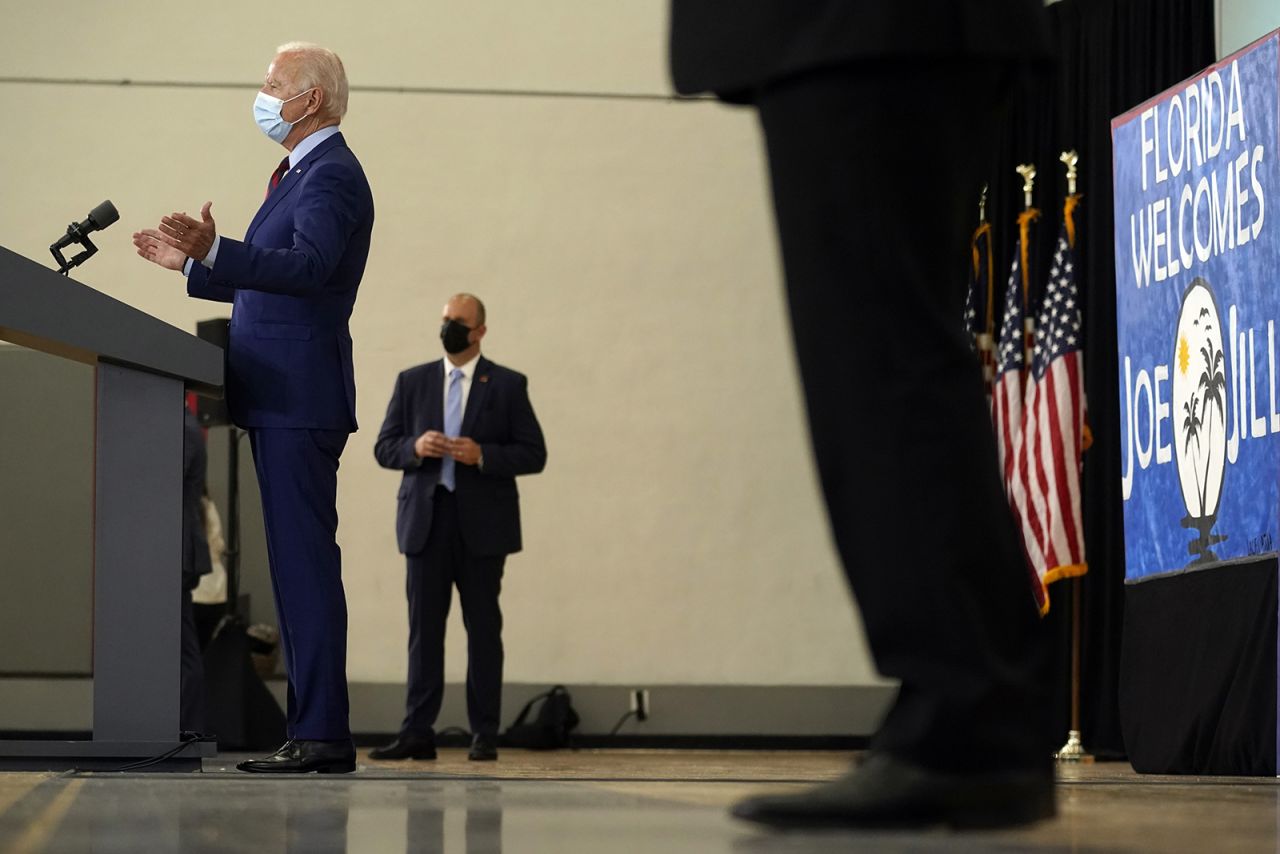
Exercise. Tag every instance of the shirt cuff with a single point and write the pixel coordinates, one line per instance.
(213, 252)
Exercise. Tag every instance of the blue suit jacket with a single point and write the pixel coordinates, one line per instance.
(500, 418)
(293, 283)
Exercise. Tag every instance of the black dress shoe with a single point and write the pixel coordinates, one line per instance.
(299, 757)
(889, 792)
(484, 748)
(407, 745)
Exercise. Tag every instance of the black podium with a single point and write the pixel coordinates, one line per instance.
(143, 367)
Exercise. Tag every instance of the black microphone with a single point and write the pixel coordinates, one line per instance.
(99, 218)
(78, 232)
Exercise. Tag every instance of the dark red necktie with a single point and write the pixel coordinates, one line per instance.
(278, 174)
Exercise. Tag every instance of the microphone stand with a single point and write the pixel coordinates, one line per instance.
(78, 232)
(74, 235)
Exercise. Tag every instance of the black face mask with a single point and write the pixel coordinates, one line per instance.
(454, 335)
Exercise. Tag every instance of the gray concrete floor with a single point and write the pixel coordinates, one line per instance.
(584, 801)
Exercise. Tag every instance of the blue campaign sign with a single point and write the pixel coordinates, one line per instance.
(1197, 231)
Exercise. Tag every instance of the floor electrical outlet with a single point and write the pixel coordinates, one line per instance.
(640, 703)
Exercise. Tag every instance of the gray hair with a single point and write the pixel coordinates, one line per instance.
(319, 67)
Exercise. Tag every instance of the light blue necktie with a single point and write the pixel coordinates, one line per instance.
(452, 424)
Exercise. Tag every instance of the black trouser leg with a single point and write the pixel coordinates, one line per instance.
(191, 702)
(875, 176)
(429, 589)
(479, 585)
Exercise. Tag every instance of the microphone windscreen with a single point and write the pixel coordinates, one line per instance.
(104, 215)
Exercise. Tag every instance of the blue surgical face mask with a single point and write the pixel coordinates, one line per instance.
(266, 112)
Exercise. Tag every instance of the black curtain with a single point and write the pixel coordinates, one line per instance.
(1113, 55)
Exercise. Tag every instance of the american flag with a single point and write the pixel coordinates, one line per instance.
(1010, 372)
(1009, 392)
(978, 307)
(1052, 434)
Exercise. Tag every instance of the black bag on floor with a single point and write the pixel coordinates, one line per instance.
(550, 727)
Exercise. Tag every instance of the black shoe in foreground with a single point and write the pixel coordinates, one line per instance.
(888, 792)
(484, 748)
(407, 745)
(300, 757)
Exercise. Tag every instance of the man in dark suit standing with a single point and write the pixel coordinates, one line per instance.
(461, 429)
(290, 380)
(876, 117)
(195, 563)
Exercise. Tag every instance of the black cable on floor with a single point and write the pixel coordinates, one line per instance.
(187, 739)
(622, 720)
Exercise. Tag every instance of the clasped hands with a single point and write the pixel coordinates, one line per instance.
(433, 443)
(178, 238)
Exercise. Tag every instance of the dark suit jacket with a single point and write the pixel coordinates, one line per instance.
(500, 418)
(732, 47)
(195, 546)
(293, 282)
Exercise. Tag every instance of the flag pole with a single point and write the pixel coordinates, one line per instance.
(1073, 750)
(1028, 173)
(1029, 215)
(1071, 160)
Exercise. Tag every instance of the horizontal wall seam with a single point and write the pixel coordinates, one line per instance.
(391, 90)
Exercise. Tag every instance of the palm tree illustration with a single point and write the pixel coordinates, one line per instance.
(1212, 386)
(1213, 383)
(1191, 429)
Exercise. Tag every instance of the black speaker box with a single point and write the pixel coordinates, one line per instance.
(212, 411)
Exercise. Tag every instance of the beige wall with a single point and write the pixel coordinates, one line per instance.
(624, 248)
(1242, 21)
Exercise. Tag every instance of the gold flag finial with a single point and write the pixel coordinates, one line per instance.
(982, 203)
(1028, 173)
(1070, 158)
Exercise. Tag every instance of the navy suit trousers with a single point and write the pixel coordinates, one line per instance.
(432, 573)
(298, 478)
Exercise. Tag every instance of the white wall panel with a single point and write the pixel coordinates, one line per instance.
(625, 250)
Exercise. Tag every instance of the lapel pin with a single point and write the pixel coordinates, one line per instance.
(483, 379)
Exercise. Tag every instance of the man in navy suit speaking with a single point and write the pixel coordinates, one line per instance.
(290, 382)
(461, 429)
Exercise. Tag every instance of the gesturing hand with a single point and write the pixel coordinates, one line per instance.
(193, 238)
(150, 245)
